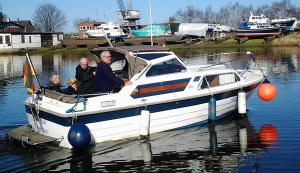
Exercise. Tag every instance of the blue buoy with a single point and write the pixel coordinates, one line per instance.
(212, 109)
(79, 135)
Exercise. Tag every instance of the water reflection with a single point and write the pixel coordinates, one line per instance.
(215, 147)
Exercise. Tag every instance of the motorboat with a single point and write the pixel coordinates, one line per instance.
(286, 23)
(111, 29)
(166, 93)
(255, 30)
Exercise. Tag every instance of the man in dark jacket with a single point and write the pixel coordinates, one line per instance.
(54, 83)
(105, 79)
(85, 76)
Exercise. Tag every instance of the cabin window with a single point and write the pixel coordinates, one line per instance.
(7, 39)
(115, 27)
(29, 39)
(22, 38)
(221, 79)
(152, 56)
(166, 67)
(1, 41)
(105, 28)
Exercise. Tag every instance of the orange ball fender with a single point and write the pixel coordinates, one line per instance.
(266, 91)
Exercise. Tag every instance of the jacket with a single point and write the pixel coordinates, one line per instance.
(70, 90)
(85, 78)
(53, 87)
(105, 79)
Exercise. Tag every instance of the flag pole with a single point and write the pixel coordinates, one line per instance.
(31, 66)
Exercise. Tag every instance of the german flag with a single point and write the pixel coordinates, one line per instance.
(28, 80)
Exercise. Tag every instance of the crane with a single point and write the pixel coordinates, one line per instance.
(128, 16)
(122, 7)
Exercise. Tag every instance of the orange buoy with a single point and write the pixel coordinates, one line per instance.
(266, 91)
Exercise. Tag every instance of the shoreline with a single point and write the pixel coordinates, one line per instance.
(291, 40)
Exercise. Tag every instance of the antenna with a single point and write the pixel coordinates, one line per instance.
(104, 9)
(150, 23)
(97, 15)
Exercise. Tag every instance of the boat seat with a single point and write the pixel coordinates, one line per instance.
(53, 94)
(62, 97)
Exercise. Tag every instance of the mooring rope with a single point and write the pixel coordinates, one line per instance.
(73, 109)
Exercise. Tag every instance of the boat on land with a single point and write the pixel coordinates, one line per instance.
(254, 30)
(111, 29)
(157, 30)
(166, 93)
(286, 23)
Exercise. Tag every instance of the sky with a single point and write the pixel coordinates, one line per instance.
(105, 10)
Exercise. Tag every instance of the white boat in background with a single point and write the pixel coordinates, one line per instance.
(165, 94)
(287, 23)
(111, 29)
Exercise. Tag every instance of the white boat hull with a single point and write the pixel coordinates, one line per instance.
(129, 127)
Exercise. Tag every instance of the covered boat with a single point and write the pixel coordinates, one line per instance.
(166, 94)
(156, 30)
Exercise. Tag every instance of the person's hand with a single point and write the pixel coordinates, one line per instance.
(128, 83)
(94, 73)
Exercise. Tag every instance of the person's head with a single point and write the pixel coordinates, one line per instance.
(105, 57)
(72, 82)
(83, 63)
(55, 78)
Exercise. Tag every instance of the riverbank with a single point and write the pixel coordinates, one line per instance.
(292, 39)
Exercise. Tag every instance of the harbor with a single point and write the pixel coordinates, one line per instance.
(204, 87)
(195, 148)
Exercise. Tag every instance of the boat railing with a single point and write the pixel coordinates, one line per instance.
(240, 62)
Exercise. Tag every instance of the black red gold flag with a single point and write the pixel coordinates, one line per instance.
(28, 77)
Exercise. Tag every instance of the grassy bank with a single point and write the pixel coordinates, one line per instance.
(292, 39)
(42, 51)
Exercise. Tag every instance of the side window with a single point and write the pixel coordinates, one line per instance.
(29, 39)
(1, 41)
(166, 67)
(7, 39)
(216, 80)
(22, 38)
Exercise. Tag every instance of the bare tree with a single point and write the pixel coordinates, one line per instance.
(2, 15)
(81, 20)
(233, 14)
(179, 16)
(199, 16)
(190, 14)
(209, 15)
(48, 18)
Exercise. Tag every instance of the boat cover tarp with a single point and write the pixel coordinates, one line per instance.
(135, 64)
(196, 29)
(156, 30)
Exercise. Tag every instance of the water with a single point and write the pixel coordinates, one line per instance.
(266, 140)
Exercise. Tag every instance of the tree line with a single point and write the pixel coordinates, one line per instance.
(233, 14)
(48, 17)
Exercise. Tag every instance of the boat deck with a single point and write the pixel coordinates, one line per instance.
(27, 135)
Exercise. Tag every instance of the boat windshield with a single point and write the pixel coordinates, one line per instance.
(152, 56)
(166, 67)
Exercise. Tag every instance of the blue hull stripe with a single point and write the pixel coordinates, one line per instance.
(92, 118)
